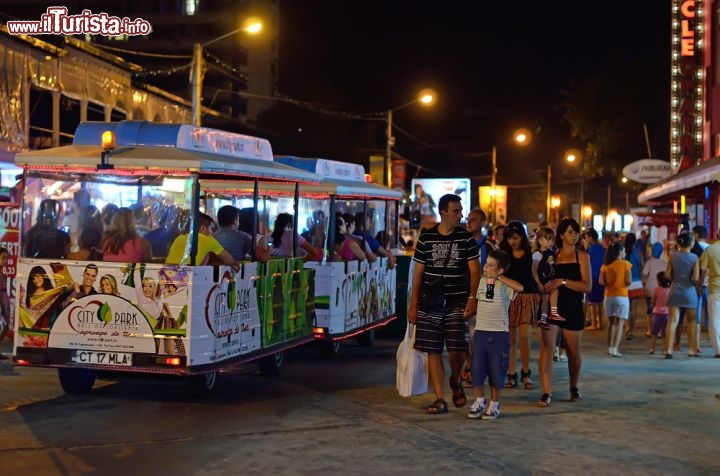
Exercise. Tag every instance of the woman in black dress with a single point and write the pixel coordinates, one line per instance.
(572, 271)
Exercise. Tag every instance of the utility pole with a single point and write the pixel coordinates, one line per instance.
(493, 183)
(197, 84)
(547, 207)
(387, 169)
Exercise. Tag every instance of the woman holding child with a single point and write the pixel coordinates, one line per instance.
(572, 279)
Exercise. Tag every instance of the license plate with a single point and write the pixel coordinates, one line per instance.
(102, 358)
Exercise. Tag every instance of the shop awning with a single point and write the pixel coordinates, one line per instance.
(682, 182)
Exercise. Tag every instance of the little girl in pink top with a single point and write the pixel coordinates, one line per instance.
(660, 310)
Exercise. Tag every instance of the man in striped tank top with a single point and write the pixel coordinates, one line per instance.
(449, 252)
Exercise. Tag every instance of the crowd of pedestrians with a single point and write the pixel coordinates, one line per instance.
(561, 283)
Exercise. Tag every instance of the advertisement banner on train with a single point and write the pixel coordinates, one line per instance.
(131, 308)
(9, 240)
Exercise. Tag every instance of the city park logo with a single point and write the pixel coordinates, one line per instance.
(56, 21)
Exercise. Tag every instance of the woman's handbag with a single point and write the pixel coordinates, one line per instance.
(411, 374)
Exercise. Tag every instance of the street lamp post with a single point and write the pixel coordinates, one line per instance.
(549, 197)
(387, 165)
(251, 25)
(574, 157)
(426, 98)
(521, 137)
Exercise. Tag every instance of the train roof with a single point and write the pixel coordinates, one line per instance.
(320, 190)
(143, 148)
(343, 179)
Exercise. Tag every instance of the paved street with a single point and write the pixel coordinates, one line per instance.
(641, 415)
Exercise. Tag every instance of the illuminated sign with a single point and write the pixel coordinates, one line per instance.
(427, 193)
(647, 170)
(686, 102)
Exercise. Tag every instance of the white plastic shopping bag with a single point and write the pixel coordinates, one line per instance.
(411, 374)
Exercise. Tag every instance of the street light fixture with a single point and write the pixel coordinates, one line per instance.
(251, 25)
(426, 98)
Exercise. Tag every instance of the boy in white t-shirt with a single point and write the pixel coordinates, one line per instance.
(491, 340)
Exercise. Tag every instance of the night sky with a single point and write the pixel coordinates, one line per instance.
(495, 65)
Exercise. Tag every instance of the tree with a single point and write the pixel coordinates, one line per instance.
(607, 113)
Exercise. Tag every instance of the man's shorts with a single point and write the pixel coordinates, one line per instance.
(444, 327)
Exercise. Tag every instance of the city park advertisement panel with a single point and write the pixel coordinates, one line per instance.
(125, 315)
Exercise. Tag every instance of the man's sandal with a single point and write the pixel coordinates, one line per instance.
(437, 407)
(545, 400)
(525, 379)
(512, 381)
(458, 394)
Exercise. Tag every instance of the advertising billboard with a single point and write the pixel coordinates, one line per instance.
(426, 192)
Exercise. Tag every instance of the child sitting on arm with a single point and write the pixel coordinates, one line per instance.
(543, 270)
(491, 340)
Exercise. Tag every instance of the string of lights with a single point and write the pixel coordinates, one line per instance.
(163, 72)
(220, 63)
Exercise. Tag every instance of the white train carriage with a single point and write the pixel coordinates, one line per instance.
(191, 319)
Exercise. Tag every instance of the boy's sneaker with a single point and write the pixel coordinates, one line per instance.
(492, 412)
(477, 408)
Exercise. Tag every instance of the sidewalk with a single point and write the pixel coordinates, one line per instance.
(641, 414)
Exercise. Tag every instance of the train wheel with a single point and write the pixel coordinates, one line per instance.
(330, 349)
(76, 380)
(270, 365)
(203, 385)
(366, 339)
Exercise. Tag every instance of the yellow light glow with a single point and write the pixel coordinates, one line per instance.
(522, 136)
(252, 25)
(108, 140)
(555, 201)
(587, 211)
(427, 97)
(573, 156)
(624, 180)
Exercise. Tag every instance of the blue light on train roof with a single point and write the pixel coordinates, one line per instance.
(325, 168)
(180, 136)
